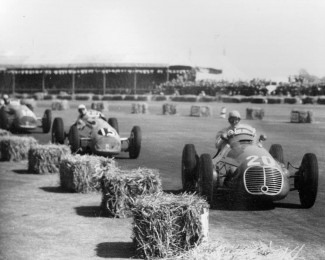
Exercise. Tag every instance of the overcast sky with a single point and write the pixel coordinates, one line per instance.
(261, 38)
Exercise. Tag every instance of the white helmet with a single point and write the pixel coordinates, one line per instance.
(81, 106)
(234, 113)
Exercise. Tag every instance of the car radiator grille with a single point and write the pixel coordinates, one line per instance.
(263, 180)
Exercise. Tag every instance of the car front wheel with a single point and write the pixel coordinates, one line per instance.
(307, 180)
(135, 142)
(207, 177)
(58, 134)
(189, 166)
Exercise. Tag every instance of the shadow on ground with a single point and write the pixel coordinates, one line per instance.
(89, 211)
(52, 189)
(115, 250)
(22, 171)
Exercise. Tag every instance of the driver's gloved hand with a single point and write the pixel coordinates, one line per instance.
(230, 133)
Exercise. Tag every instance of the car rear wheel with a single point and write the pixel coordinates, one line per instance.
(4, 120)
(113, 123)
(135, 142)
(189, 166)
(74, 139)
(47, 121)
(307, 181)
(207, 178)
(58, 134)
(277, 152)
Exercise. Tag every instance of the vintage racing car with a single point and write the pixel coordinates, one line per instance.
(17, 117)
(98, 137)
(245, 169)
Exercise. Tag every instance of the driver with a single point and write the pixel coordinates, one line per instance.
(224, 134)
(6, 99)
(83, 116)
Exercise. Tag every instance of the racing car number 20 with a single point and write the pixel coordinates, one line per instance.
(253, 160)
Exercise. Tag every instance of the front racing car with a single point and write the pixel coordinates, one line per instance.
(244, 169)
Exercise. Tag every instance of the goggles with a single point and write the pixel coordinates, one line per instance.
(234, 119)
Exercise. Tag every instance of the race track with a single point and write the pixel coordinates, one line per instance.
(284, 223)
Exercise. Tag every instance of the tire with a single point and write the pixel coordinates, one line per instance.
(74, 139)
(307, 181)
(113, 123)
(47, 121)
(277, 152)
(207, 179)
(189, 168)
(58, 134)
(135, 142)
(4, 120)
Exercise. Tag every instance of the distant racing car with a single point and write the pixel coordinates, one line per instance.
(17, 117)
(244, 168)
(98, 137)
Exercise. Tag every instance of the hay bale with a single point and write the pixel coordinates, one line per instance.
(139, 108)
(44, 159)
(254, 113)
(223, 112)
(184, 98)
(321, 100)
(99, 106)
(259, 100)
(207, 99)
(167, 225)
(301, 116)
(159, 98)
(292, 100)
(200, 111)
(121, 187)
(15, 148)
(82, 173)
(4, 132)
(60, 105)
(169, 109)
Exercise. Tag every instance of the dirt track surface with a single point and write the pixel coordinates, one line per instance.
(40, 221)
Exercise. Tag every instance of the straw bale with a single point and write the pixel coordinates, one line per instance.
(139, 108)
(44, 159)
(220, 250)
(15, 148)
(254, 113)
(4, 132)
(169, 109)
(301, 116)
(200, 111)
(82, 173)
(167, 225)
(99, 106)
(121, 187)
(60, 105)
(259, 100)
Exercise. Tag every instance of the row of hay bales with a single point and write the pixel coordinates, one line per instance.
(180, 98)
(164, 225)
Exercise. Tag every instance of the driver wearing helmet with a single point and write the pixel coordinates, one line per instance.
(82, 118)
(85, 117)
(6, 99)
(226, 133)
